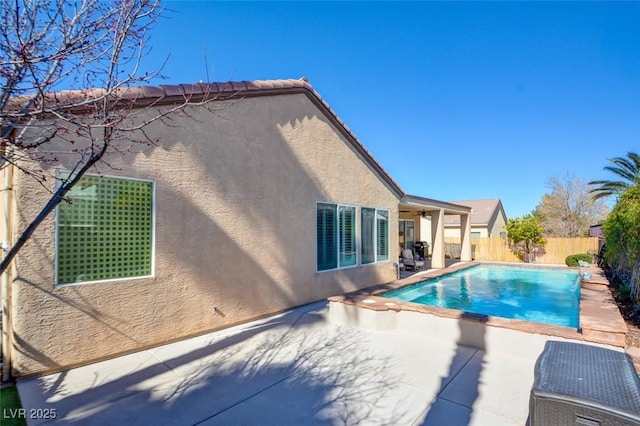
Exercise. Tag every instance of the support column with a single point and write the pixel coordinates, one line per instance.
(437, 239)
(465, 238)
(6, 237)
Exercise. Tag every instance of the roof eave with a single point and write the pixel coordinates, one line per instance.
(429, 203)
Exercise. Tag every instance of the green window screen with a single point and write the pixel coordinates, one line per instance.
(106, 232)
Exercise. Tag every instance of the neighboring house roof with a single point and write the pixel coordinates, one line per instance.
(483, 212)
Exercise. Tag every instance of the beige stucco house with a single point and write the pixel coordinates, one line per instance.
(239, 212)
(488, 219)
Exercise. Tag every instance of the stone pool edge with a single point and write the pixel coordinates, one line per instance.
(600, 319)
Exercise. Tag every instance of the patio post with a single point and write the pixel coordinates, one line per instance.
(437, 238)
(465, 238)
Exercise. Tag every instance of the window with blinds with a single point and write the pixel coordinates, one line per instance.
(374, 231)
(336, 236)
(106, 232)
(338, 241)
(326, 235)
(382, 239)
(347, 235)
(368, 235)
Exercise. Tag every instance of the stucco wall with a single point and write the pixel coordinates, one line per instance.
(499, 225)
(453, 232)
(236, 194)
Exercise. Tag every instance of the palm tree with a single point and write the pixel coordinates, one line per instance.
(628, 168)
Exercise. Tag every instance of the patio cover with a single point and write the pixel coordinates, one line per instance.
(437, 211)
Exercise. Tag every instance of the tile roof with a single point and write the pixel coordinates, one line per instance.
(171, 94)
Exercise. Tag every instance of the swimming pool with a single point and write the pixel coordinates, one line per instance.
(544, 295)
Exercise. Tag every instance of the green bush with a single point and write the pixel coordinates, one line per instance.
(625, 292)
(622, 233)
(572, 260)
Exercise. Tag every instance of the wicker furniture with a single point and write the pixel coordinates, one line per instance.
(409, 261)
(584, 385)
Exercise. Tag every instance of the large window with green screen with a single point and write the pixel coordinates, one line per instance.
(106, 231)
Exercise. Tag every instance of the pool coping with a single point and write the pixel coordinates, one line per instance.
(600, 319)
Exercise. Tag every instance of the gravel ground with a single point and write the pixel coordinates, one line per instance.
(631, 315)
(632, 318)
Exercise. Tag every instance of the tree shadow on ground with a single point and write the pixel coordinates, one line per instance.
(459, 389)
(216, 175)
(289, 369)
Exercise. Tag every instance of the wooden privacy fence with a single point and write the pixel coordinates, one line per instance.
(497, 249)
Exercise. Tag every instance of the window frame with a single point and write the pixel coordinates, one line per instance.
(404, 222)
(376, 254)
(354, 236)
(388, 255)
(59, 175)
(337, 207)
(358, 235)
(373, 238)
(317, 251)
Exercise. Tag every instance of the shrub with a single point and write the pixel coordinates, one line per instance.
(622, 233)
(624, 291)
(572, 260)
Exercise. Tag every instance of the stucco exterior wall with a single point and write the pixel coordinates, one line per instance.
(452, 232)
(498, 226)
(425, 230)
(236, 193)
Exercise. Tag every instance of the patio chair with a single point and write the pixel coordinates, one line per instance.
(409, 261)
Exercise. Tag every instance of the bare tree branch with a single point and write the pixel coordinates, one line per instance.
(96, 49)
(568, 210)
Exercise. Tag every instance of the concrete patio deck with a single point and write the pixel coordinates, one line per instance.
(292, 368)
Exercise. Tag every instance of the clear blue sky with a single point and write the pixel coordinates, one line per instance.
(456, 100)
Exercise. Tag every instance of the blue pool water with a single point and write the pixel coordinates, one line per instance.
(549, 296)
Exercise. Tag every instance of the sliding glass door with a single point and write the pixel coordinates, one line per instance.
(406, 233)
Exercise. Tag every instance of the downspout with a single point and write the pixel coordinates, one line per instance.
(5, 280)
